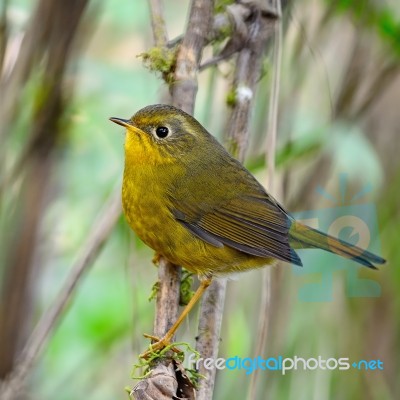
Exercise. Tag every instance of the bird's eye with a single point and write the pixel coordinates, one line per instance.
(162, 132)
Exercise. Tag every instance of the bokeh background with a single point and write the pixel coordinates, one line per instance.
(60, 160)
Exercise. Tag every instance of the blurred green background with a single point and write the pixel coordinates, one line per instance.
(338, 116)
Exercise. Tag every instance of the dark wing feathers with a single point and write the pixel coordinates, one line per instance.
(201, 233)
(252, 224)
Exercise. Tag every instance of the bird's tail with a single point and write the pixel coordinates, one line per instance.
(302, 236)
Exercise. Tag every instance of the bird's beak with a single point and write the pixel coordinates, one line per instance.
(123, 122)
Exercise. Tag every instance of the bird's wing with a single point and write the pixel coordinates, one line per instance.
(252, 223)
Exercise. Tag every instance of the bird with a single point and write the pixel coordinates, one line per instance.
(193, 203)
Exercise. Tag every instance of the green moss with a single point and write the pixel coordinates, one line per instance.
(160, 60)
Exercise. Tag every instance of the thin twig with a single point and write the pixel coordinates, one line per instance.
(97, 237)
(264, 313)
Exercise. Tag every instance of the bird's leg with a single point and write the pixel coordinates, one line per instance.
(166, 339)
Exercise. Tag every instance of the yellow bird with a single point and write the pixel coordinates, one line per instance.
(193, 203)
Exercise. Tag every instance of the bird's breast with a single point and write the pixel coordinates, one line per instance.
(145, 208)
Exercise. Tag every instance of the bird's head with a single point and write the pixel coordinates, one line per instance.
(159, 134)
